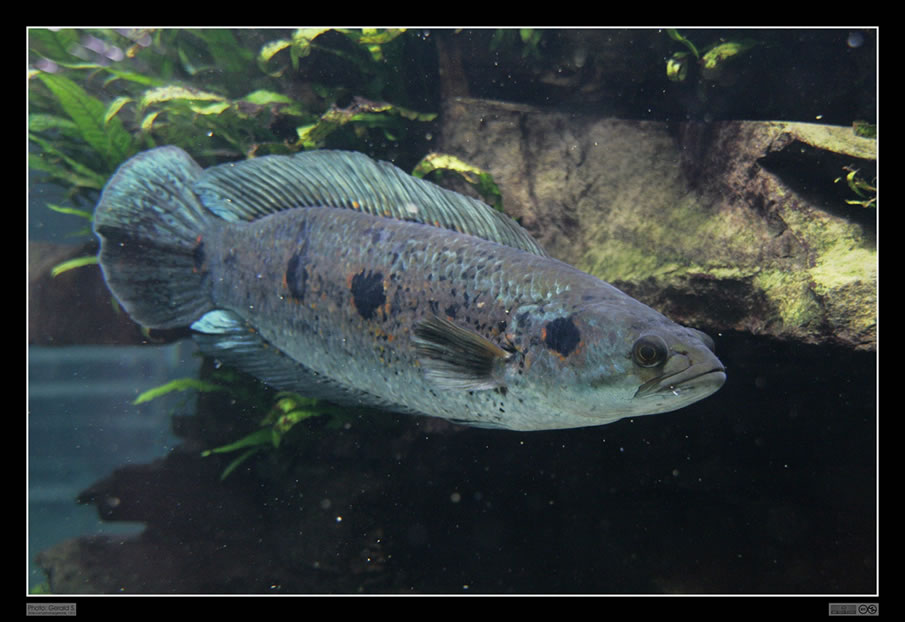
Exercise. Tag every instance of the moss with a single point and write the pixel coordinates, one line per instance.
(790, 294)
(802, 299)
(845, 279)
(841, 264)
(619, 261)
(841, 252)
(683, 238)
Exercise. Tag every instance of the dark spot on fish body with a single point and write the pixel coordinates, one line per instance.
(296, 276)
(198, 257)
(562, 336)
(367, 293)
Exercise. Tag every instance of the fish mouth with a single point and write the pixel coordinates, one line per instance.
(696, 379)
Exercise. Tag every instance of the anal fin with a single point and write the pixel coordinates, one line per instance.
(227, 337)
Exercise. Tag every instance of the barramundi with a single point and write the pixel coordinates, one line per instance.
(345, 279)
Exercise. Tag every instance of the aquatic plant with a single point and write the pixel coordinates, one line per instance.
(711, 60)
(302, 42)
(180, 384)
(866, 192)
(77, 262)
(480, 179)
(197, 88)
(526, 39)
(283, 410)
(864, 129)
(677, 64)
(288, 409)
(98, 96)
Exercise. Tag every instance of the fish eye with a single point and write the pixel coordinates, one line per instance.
(649, 351)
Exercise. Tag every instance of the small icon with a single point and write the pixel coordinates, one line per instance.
(854, 609)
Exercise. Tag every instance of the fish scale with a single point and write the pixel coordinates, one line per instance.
(289, 268)
(413, 280)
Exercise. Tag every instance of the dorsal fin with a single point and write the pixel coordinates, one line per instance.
(345, 179)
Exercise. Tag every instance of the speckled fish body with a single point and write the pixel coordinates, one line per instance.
(306, 284)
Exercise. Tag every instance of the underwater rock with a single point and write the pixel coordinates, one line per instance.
(89, 316)
(204, 535)
(725, 226)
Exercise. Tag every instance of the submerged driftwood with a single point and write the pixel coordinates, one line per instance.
(726, 226)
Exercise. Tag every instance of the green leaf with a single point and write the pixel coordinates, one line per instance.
(234, 464)
(375, 36)
(677, 66)
(78, 262)
(130, 76)
(182, 384)
(148, 121)
(53, 44)
(172, 92)
(373, 39)
(46, 122)
(675, 36)
(111, 140)
(63, 174)
(115, 106)
(263, 98)
(413, 115)
(291, 408)
(717, 56)
(301, 41)
(227, 54)
(361, 111)
(268, 52)
(480, 179)
(74, 173)
(71, 210)
(257, 438)
(210, 109)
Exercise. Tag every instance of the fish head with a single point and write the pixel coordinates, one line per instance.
(601, 364)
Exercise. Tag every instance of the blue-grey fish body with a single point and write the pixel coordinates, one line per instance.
(344, 279)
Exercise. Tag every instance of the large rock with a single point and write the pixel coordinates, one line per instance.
(725, 226)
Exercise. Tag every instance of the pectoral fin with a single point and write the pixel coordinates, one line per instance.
(458, 358)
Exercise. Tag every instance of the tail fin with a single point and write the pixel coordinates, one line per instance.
(149, 222)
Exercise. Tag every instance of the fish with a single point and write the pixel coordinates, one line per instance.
(345, 279)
